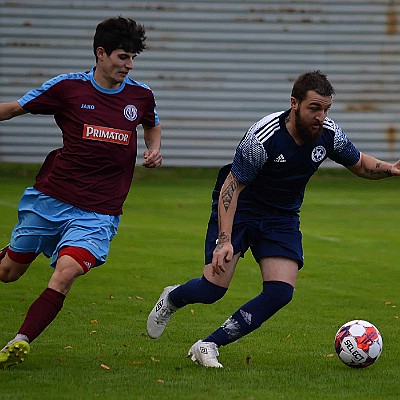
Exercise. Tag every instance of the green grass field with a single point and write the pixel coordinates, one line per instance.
(98, 347)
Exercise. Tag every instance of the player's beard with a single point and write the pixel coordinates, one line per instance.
(303, 129)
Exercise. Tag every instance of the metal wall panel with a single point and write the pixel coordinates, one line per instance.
(215, 67)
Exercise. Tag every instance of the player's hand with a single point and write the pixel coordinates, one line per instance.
(396, 168)
(222, 254)
(152, 159)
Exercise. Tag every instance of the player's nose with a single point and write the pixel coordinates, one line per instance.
(320, 116)
(129, 64)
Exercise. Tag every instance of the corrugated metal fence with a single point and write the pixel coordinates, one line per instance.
(215, 67)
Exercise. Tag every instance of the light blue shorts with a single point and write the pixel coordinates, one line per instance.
(45, 225)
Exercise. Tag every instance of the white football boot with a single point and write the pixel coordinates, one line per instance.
(205, 353)
(161, 314)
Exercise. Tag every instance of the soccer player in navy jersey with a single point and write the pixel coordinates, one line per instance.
(256, 204)
(72, 211)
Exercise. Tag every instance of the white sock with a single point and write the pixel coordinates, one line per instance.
(19, 336)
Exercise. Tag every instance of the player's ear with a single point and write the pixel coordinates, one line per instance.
(293, 102)
(100, 53)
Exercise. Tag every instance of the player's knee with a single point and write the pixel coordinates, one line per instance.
(83, 257)
(10, 274)
(6, 276)
(14, 265)
(68, 269)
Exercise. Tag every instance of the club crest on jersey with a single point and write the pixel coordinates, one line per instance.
(130, 112)
(318, 153)
(104, 134)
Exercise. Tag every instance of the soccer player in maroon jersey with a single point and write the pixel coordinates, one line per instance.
(72, 211)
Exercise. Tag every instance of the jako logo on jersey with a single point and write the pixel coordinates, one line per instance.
(103, 134)
(318, 153)
(130, 112)
(88, 106)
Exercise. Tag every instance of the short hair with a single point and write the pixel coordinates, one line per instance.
(312, 80)
(119, 33)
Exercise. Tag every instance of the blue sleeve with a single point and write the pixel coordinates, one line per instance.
(344, 152)
(48, 99)
(250, 157)
(35, 93)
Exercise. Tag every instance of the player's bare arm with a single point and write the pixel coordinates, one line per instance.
(228, 191)
(226, 211)
(152, 138)
(10, 110)
(369, 167)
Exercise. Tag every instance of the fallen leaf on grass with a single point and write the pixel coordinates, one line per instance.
(330, 355)
(136, 363)
(160, 381)
(105, 367)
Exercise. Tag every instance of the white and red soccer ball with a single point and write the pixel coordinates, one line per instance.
(358, 343)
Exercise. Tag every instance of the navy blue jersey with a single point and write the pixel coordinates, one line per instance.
(275, 169)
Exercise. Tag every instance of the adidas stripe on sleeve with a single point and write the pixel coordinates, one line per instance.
(344, 151)
(250, 155)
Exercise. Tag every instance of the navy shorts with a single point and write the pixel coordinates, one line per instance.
(267, 235)
(45, 225)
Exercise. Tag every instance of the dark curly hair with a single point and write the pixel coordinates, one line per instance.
(312, 80)
(119, 33)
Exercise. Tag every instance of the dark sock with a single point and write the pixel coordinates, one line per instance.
(197, 290)
(41, 313)
(254, 313)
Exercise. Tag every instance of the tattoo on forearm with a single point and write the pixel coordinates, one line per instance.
(227, 193)
(222, 238)
(375, 171)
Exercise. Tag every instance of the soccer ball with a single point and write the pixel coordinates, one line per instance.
(358, 343)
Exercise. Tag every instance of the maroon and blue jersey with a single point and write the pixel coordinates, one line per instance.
(276, 170)
(94, 168)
